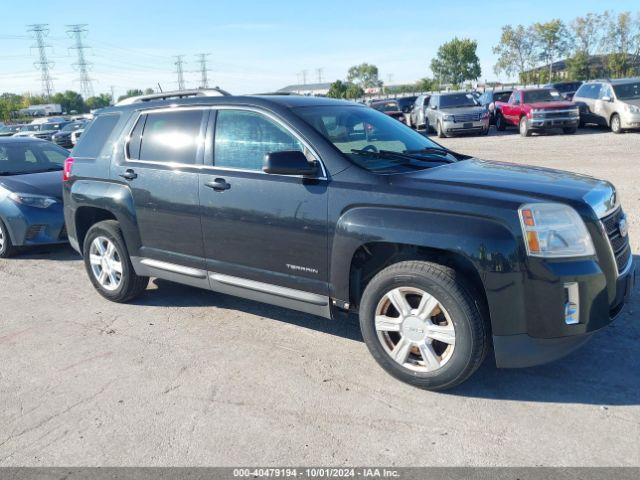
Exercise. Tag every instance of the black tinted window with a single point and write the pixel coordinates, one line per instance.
(243, 139)
(133, 147)
(171, 136)
(96, 135)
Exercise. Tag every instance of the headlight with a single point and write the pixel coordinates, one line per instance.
(447, 118)
(32, 200)
(632, 108)
(554, 230)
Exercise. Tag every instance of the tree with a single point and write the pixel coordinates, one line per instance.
(9, 103)
(354, 91)
(99, 101)
(340, 89)
(552, 39)
(516, 52)
(457, 61)
(364, 75)
(70, 101)
(427, 85)
(586, 35)
(623, 39)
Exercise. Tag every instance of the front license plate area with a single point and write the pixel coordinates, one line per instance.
(467, 125)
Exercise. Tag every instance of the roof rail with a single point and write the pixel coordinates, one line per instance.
(201, 92)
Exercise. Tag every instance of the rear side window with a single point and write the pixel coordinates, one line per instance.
(133, 147)
(243, 139)
(95, 136)
(171, 136)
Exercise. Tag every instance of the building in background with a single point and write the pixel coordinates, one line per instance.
(310, 89)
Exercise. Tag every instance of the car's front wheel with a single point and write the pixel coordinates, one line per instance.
(570, 130)
(6, 247)
(616, 126)
(439, 130)
(525, 131)
(501, 126)
(422, 325)
(108, 264)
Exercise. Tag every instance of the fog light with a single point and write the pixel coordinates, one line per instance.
(571, 303)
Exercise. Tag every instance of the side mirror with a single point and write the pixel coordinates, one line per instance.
(433, 107)
(606, 98)
(289, 162)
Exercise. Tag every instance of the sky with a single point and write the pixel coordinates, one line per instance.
(257, 46)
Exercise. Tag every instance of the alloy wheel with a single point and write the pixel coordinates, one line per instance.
(105, 263)
(414, 329)
(1, 239)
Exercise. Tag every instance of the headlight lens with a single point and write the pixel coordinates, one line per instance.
(447, 118)
(554, 230)
(633, 108)
(32, 200)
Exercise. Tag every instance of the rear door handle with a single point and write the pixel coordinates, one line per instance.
(129, 174)
(219, 185)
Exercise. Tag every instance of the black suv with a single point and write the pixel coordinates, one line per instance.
(330, 207)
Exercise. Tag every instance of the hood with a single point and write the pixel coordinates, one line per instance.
(634, 101)
(462, 110)
(531, 183)
(560, 104)
(45, 183)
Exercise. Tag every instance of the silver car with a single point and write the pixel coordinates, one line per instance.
(611, 103)
(455, 113)
(419, 112)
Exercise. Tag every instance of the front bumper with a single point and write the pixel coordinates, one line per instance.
(454, 128)
(34, 226)
(551, 338)
(543, 123)
(630, 120)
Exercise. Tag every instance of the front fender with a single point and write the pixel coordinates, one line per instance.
(113, 197)
(487, 244)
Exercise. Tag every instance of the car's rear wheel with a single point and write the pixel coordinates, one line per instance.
(616, 126)
(108, 264)
(6, 247)
(422, 325)
(501, 126)
(524, 127)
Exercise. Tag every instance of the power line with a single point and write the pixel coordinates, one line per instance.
(77, 31)
(40, 31)
(202, 58)
(179, 63)
(319, 72)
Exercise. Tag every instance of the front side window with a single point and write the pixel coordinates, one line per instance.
(501, 96)
(172, 137)
(243, 138)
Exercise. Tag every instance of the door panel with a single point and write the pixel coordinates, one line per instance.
(263, 227)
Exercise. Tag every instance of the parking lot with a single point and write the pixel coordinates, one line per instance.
(186, 377)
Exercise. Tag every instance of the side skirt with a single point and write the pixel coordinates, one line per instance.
(293, 299)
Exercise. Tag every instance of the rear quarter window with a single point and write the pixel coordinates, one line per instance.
(96, 135)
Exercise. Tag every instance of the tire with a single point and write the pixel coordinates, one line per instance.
(485, 132)
(427, 128)
(450, 364)
(439, 131)
(523, 126)
(128, 285)
(501, 125)
(616, 126)
(6, 246)
(570, 130)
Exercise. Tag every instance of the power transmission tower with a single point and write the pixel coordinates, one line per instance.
(179, 63)
(319, 72)
(76, 32)
(202, 58)
(304, 77)
(40, 31)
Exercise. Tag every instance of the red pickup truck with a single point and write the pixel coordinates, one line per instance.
(536, 110)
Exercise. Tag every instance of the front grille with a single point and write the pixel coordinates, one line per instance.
(619, 244)
(467, 117)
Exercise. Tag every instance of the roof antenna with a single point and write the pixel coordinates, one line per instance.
(160, 88)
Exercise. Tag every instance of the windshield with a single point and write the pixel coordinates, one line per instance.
(391, 106)
(47, 127)
(627, 91)
(543, 95)
(373, 140)
(9, 129)
(406, 102)
(502, 96)
(457, 100)
(72, 126)
(30, 157)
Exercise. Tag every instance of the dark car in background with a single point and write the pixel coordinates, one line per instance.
(489, 98)
(30, 194)
(63, 138)
(43, 131)
(566, 89)
(10, 130)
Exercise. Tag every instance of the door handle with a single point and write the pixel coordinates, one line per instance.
(129, 174)
(219, 185)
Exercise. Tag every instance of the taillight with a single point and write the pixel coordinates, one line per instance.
(66, 173)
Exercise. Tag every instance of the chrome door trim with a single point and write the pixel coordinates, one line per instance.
(174, 268)
(270, 289)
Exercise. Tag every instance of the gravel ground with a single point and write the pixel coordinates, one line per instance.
(186, 377)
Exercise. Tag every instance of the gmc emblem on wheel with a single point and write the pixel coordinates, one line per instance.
(623, 226)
